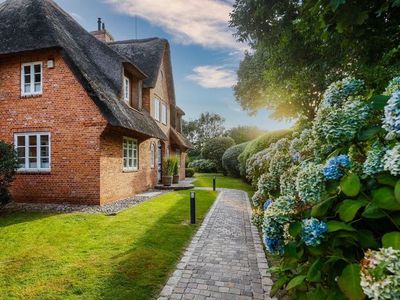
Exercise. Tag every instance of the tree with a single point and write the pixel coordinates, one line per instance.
(243, 134)
(8, 166)
(215, 148)
(206, 127)
(301, 46)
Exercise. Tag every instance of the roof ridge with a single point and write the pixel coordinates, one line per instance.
(131, 41)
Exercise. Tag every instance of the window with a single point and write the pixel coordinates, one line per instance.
(31, 79)
(130, 149)
(127, 90)
(157, 109)
(152, 156)
(33, 150)
(164, 116)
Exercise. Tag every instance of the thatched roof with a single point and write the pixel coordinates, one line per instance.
(180, 140)
(28, 25)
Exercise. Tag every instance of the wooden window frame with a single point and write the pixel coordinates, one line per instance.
(134, 150)
(32, 76)
(127, 90)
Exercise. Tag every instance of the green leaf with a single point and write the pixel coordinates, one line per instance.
(369, 133)
(321, 209)
(384, 198)
(336, 295)
(366, 239)
(278, 284)
(350, 185)
(295, 281)
(314, 272)
(391, 239)
(294, 229)
(335, 4)
(316, 294)
(349, 282)
(397, 191)
(379, 102)
(349, 208)
(373, 212)
(387, 179)
(336, 226)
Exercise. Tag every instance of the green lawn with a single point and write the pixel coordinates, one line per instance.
(205, 180)
(93, 256)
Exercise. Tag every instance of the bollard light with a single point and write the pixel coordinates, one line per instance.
(214, 183)
(192, 208)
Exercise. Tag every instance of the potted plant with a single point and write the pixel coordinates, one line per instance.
(167, 171)
(176, 170)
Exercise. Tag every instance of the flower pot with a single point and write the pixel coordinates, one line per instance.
(167, 180)
(176, 179)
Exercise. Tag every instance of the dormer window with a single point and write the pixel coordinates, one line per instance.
(31, 79)
(127, 90)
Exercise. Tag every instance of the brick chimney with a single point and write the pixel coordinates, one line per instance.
(101, 33)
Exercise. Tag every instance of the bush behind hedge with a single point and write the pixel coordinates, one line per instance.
(215, 148)
(260, 144)
(230, 160)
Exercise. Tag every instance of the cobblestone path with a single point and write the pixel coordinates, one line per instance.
(225, 259)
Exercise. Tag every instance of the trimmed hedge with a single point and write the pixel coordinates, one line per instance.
(189, 172)
(203, 166)
(260, 144)
(230, 159)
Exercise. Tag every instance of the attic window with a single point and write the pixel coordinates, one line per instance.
(31, 79)
(127, 90)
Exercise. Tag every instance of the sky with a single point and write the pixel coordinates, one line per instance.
(205, 55)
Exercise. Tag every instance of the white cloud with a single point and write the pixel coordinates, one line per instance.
(213, 77)
(202, 22)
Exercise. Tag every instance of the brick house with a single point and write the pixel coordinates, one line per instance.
(90, 123)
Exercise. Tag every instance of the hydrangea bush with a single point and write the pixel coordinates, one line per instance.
(331, 198)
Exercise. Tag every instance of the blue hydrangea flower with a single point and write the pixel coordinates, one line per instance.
(339, 91)
(335, 167)
(274, 246)
(296, 157)
(267, 203)
(391, 121)
(313, 231)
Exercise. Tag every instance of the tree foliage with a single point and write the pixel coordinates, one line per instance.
(301, 46)
(242, 134)
(8, 166)
(230, 160)
(206, 127)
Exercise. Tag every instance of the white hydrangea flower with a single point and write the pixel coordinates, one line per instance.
(391, 160)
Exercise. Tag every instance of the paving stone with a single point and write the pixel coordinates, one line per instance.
(225, 259)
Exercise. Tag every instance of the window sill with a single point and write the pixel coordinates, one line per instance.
(31, 96)
(34, 172)
(130, 170)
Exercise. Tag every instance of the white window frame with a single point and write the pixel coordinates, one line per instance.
(164, 113)
(157, 105)
(32, 75)
(132, 154)
(127, 90)
(152, 156)
(26, 168)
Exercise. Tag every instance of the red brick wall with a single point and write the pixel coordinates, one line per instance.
(72, 118)
(115, 184)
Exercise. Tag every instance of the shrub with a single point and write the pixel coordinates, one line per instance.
(8, 166)
(215, 148)
(333, 195)
(260, 144)
(203, 166)
(230, 160)
(189, 172)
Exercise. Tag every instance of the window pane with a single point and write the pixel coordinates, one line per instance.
(38, 87)
(37, 68)
(27, 70)
(38, 78)
(32, 163)
(130, 163)
(125, 163)
(32, 140)
(44, 151)
(44, 140)
(32, 152)
(44, 163)
(20, 141)
(21, 152)
(21, 163)
(27, 79)
(27, 88)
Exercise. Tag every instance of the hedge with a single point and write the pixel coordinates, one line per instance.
(230, 160)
